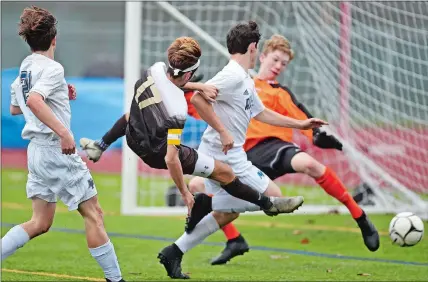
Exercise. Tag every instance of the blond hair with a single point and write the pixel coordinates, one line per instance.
(278, 42)
(183, 53)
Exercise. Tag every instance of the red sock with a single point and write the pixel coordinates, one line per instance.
(335, 188)
(230, 231)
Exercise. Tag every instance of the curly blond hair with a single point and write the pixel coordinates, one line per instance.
(278, 42)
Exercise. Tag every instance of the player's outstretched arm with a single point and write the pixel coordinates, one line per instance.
(209, 92)
(206, 111)
(176, 171)
(42, 111)
(273, 118)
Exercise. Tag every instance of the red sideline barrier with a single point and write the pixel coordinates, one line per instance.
(405, 158)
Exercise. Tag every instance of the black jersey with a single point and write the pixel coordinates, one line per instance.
(158, 112)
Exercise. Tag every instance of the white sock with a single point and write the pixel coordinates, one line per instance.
(14, 239)
(207, 226)
(107, 259)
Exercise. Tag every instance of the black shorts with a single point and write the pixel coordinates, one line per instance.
(273, 157)
(188, 156)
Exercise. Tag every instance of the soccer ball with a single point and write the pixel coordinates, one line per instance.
(406, 229)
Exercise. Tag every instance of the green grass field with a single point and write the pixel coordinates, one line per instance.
(334, 250)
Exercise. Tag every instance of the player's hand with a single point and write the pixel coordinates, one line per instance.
(188, 200)
(68, 145)
(226, 141)
(312, 123)
(209, 92)
(72, 94)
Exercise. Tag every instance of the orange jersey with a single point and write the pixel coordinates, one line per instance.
(278, 99)
(191, 111)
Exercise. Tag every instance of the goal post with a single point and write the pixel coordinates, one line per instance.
(361, 66)
(132, 65)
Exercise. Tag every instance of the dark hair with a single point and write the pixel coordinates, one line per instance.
(37, 27)
(183, 53)
(241, 36)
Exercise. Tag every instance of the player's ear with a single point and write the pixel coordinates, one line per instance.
(251, 47)
(187, 76)
(53, 43)
(262, 57)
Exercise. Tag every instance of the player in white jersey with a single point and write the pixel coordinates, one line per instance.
(42, 95)
(228, 119)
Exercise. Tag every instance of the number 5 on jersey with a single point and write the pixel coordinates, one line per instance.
(25, 83)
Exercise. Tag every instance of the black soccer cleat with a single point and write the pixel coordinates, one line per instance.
(201, 208)
(171, 257)
(108, 280)
(235, 247)
(369, 232)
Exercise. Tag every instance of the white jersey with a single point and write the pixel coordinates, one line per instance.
(236, 103)
(45, 76)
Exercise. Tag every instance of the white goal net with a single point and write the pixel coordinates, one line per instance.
(363, 66)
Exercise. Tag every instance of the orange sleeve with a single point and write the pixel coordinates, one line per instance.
(290, 109)
(191, 110)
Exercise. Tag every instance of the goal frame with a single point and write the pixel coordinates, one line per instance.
(129, 206)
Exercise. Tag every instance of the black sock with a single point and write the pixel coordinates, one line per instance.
(239, 190)
(118, 130)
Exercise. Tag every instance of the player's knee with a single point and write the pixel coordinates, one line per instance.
(41, 225)
(222, 173)
(308, 165)
(273, 190)
(196, 185)
(95, 217)
(224, 218)
(92, 212)
(314, 169)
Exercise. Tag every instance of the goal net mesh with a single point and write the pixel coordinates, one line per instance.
(362, 66)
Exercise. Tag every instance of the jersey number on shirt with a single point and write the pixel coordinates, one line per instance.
(247, 104)
(25, 83)
(157, 98)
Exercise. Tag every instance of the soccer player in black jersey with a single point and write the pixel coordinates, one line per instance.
(153, 130)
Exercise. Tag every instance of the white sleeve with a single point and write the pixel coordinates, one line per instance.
(13, 100)
(49, 81)
(225, 82)
(258, 106)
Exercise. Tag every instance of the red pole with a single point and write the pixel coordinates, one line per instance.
(344, 66)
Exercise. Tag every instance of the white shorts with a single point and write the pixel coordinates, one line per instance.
(247, 173)
(54, 175)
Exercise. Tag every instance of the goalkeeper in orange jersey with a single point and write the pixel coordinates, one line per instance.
(270, 148)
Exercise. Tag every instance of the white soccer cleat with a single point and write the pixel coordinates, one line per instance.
(92, 149)
(284, 205)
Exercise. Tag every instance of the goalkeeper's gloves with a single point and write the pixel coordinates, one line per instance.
(324, 141)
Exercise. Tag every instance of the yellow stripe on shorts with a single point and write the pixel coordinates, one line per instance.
(174, 136)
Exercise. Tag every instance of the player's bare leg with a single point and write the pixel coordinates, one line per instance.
(98, 241)
(328, 180)
(19, 235)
